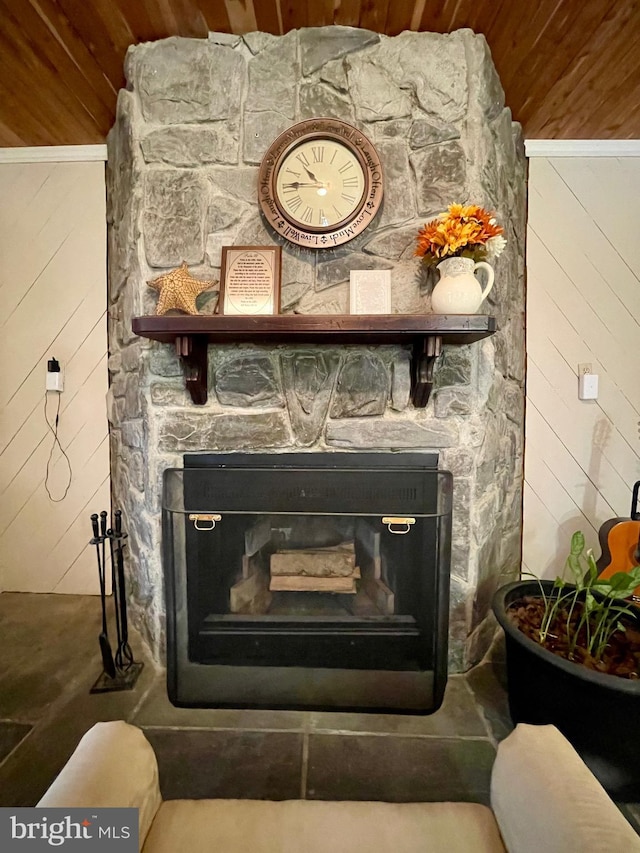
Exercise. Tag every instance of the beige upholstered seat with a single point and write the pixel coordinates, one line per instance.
(544, 799)
(305, 826)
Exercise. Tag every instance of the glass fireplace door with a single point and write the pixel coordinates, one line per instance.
(285, 589)
(303, 565)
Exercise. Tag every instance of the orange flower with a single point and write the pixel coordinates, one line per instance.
(463, 230)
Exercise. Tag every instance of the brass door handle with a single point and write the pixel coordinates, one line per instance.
(209, 520)
(404, 522)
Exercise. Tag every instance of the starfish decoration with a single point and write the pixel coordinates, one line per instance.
(178, 289)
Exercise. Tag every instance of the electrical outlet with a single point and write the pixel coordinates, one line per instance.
(588, 386)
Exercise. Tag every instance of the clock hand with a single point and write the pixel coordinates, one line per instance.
(311, 175)
(297, 184)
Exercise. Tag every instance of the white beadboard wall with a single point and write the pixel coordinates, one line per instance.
(52, 303)
(583, 305)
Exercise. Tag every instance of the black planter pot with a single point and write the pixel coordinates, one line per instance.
(599, 714)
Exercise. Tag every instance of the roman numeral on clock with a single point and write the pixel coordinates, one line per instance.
(349, 198)
(307, 215)
(294, 203)
(345, 167)
(350, 182)
(302, 158)
(318, 153)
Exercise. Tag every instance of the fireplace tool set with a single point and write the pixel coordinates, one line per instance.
(120, 670)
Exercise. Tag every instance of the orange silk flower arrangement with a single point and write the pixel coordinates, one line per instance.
(462, 231)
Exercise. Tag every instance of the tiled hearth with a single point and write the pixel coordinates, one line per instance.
(45, 700)
(45, 708)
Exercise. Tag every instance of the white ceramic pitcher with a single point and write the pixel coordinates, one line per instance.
(459, 291)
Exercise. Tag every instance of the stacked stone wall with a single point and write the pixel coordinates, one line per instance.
(192, 126)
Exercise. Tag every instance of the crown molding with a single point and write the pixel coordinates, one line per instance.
(532, 147)
(582, 147)
(54, 154)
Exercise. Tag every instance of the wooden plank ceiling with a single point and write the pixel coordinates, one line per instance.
(570, 68)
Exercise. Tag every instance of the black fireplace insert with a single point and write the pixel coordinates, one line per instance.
(307, 580)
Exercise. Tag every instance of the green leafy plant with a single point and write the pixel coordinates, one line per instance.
(593, 606)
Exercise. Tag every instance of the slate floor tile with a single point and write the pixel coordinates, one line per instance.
(457, 717)
(29, 770)
(398, 769)
(10, 736)
(492, 698)
(157, 710)
(51, 659)
(227, 764)
(47, 640)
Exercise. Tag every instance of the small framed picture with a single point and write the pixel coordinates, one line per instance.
(370, 292)
(250, 280)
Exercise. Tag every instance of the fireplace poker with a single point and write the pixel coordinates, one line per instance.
(116, 598)
(108, 663)
(124, 655)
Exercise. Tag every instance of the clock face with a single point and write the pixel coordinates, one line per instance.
(320, 183)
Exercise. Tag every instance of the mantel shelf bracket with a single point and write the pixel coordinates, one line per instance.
(425, 353)
(425, 333)
(192, 351)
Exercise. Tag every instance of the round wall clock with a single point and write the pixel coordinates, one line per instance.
(320, 183)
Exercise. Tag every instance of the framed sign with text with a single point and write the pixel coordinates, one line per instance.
(250, 280)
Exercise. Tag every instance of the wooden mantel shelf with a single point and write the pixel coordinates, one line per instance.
(425, 332)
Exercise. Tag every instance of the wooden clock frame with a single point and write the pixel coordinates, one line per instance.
(319, 237)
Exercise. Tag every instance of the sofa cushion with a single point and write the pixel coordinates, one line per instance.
(238, 826)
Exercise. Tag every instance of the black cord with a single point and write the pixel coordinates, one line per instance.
(56, 440)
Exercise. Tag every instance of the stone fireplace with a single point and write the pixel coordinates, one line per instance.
(191, 129)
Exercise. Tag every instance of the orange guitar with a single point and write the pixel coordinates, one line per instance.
(620, 543)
